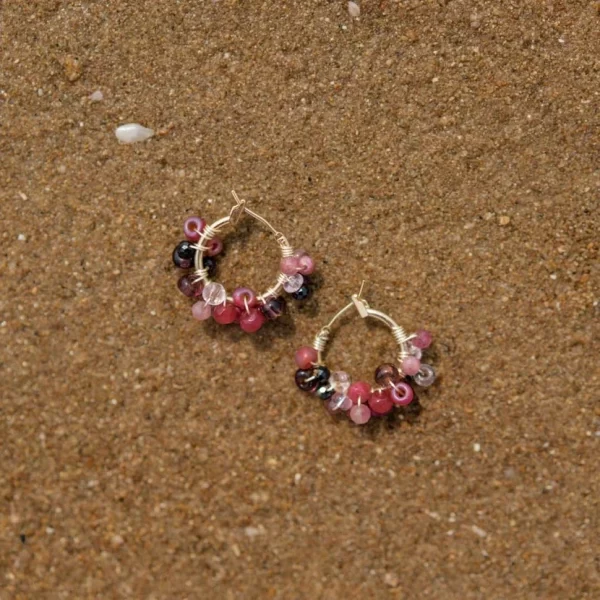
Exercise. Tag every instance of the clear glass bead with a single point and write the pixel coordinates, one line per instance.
(214, 294)
(425, 376)
(339, 402)
(293, 283)
(340, 381)
(414, 351)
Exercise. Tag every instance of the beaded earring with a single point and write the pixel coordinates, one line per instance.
(360, 401)
(251, 310)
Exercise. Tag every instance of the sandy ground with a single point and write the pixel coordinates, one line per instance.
(447, 152)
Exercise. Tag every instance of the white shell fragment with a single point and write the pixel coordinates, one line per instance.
(354, 9)
(133, 132)
(96, 96)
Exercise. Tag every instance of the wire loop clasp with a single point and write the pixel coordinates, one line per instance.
(361, 305)
(235, 214)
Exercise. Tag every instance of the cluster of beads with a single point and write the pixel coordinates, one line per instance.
(359, 400)
(297, 268)
(245, 308)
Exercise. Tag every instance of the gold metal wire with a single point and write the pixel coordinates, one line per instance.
(365, 311)
(210, 231)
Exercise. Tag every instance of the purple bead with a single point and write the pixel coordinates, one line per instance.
(386, 374)
(402, 394)
(306, 380)
(193, 227)
(187, 286)
(273, 308)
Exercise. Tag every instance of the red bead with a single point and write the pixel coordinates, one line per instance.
(381, 403)
(242, 296)
(252, 320)
(306, 357)
(360, 389)
(226, 313)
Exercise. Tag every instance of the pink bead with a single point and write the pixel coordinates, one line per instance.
(226, 313)
(201, 310)
(381, 403)
(215, 246)
(359, 390)
(193, 227)
(411, 365)
(360, 414)
(289, 265)
(306, 265)
(252, 321)
(423, 339)
(306, 357)
(242, 296)
(402, 394)
(300, 252)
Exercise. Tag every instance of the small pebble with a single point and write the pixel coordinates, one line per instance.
(22, 237)
(504, 220)
(73, 68)
(477, 447)
(354, 9)
(478, 531)
(96, 96)
(133, 132)
(391, 579)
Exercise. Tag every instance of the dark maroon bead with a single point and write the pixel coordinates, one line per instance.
(273, 308)
(387, 374)
(188, 287)
(306, 380)
(183, 255)
(210, 264)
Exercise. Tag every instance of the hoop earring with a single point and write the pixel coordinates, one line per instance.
(360, 401)
(244, 306)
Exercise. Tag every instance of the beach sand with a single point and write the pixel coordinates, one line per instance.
(446, 152)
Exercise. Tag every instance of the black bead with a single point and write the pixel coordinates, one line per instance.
(273, 308)
(210, 264)
(325, 392)
(302, 294)
(183, 255)
(305, 380)
(322, 374)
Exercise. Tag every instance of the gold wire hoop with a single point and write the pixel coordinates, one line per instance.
(365, 311)
(235, 214)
